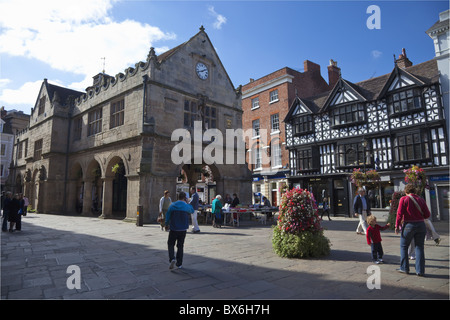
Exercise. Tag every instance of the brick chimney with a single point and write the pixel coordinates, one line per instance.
(334, 72)
(311, 67)
(403, 61)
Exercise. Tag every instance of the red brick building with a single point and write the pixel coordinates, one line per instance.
(265, 103)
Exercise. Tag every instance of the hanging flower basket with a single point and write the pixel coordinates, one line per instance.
(416, 176)
(298, 233)
(368, 178)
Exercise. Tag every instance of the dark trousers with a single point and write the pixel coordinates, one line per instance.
(377, 251)
(5, 221)
(178, 238)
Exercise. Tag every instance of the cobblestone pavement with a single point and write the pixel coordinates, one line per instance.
(118, 260)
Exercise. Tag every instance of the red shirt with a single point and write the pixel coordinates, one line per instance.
(408, 212)
(373, 233)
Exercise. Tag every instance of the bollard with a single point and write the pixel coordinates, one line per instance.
(140, 216)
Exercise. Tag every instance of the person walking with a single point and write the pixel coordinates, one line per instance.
(164, 204)
(325, 208)
(26, 203)
(361, 207)
(412, 211)
(6, 210)
(177, 218)
(216, 209)
(373, 238)
(13, 215)
(194, 203)
(20, 212)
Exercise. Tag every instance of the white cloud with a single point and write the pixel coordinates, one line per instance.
(72, 36)
(25, 95)
(220, 19)
(376, 54)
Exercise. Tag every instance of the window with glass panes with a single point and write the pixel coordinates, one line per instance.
(255, 103)
(117, 114)
(255, 126)
(302, 125)
(405, 101)
(304, 159)
(77, 128)
(273, 95)
(95, 122)
(412, 146)
(210, 117)
(275, 122)
(352, 155)
(37, 149)
(190, 113)
(257, 158)
(348, 114)
(276, 153)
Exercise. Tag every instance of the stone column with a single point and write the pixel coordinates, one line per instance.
(107, 197)
(87, 198)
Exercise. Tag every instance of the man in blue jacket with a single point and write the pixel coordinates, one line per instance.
(177, 218)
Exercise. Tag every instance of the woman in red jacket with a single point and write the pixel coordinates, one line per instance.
(412, 210)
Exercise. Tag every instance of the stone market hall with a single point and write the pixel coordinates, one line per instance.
(107, 151)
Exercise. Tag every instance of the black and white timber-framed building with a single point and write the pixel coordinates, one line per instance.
(387, 123)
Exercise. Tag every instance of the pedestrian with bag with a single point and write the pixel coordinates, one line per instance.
(177, 219)
(412, 211)
(164, 204)
(361, 207)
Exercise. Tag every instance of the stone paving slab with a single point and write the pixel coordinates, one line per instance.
(119, 260)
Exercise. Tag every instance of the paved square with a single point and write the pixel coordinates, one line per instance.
(118, 260)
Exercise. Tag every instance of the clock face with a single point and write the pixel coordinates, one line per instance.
(202, 71)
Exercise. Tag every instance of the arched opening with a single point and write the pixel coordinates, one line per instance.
(93, 189)
(116, 172)
(204, 177)
(76, 177)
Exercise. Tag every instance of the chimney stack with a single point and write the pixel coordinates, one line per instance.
(403, 61)
(334, 73)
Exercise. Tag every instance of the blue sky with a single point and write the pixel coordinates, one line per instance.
(64, 40)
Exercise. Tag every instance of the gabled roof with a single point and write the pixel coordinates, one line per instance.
(343, 91)
(425, 73)
(60, 92)
(166, 55)
(300, 106)
(399, 78)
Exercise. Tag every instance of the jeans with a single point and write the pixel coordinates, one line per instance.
(377, 251)
(413, 231)
(178, 238)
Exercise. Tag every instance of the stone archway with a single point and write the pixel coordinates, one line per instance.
(92, 189)
(75, 189)
(206, 175)
(115, 189)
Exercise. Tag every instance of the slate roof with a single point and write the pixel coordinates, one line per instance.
(371, 89)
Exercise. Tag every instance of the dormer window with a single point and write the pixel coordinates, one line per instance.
(405, 102)
(347, 115)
